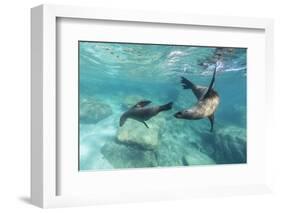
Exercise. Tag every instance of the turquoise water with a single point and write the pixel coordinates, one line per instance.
(115, 76)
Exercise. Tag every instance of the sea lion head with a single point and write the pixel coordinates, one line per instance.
(185, 114)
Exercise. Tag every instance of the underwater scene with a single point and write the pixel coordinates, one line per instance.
(155, 105)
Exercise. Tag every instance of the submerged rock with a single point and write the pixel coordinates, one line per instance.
(195, 157)
(177, 139)
(230, 145)
(92, 111)
(137, 134)
(122, 156)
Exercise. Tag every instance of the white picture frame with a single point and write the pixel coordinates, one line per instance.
(44, 148)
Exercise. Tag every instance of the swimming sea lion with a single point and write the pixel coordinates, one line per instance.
(208, 101)
(141, 113)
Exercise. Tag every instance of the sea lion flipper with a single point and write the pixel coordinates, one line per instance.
(122, 120)
(142, 103)
(211, 119)
(198, 91)
(186, 84)
(145, 124)
(211, 84)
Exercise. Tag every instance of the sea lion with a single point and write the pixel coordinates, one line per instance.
(208, 101)
(141, 113)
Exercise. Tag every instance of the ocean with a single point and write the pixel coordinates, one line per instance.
(114, 77)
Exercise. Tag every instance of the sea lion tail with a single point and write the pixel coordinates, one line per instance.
(186, 84)
(166, 107)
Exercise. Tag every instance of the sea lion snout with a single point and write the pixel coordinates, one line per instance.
(178, 115)
(185, 114)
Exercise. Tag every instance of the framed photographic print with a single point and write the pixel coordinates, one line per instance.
(130, 106)
(121, 125)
